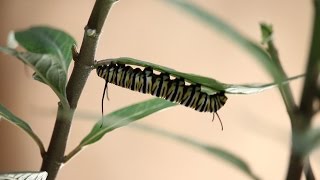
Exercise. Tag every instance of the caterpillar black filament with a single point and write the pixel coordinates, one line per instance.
(145, 81)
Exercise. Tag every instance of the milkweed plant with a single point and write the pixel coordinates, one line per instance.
(50, 51)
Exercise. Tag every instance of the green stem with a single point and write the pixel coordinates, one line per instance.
(296, 163)
(288, 99)
(296, 160)
(56, 150)
(312, 72)
(305, 111)
(52, 161)
(72, 153)
(284, 88)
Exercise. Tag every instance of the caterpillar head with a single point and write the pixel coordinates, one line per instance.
(222, 98)
(100, 70)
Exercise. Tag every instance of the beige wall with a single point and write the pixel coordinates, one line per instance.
(256, 126)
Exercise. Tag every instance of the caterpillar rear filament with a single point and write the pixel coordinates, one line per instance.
(174, 90)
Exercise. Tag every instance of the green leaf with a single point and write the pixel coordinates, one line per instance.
(305, 143)
(208, 85)
(7, 115)
(48, 70)
(48, 54)
(216, 23)
(256, 88)
(123, 117)
(46, 40)
(211, 150)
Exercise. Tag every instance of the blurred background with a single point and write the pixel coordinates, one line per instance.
(256, 126)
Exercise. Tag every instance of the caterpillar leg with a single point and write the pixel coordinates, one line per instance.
(218, 118)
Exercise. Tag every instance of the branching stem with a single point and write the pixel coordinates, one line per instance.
(300, 117)
(54, 158)
(305, 112)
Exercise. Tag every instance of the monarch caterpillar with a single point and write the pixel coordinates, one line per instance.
(174, 90)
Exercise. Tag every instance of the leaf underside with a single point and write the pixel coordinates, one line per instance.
(24, 176)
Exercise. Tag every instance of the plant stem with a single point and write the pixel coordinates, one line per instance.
(300, 117)
(312, 72)
(72, 153)
(82, 68)
(287, 97)
(308, 170)
(284, 88)
(305, 111)
(52, 160)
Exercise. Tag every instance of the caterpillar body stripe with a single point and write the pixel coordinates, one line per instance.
(174, 90)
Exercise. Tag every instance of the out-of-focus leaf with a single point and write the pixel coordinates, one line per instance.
(307, 142)
(211, 150)
(123, 117)
(7, 115)
(217, 24)
(24, 176)
(209, 85)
